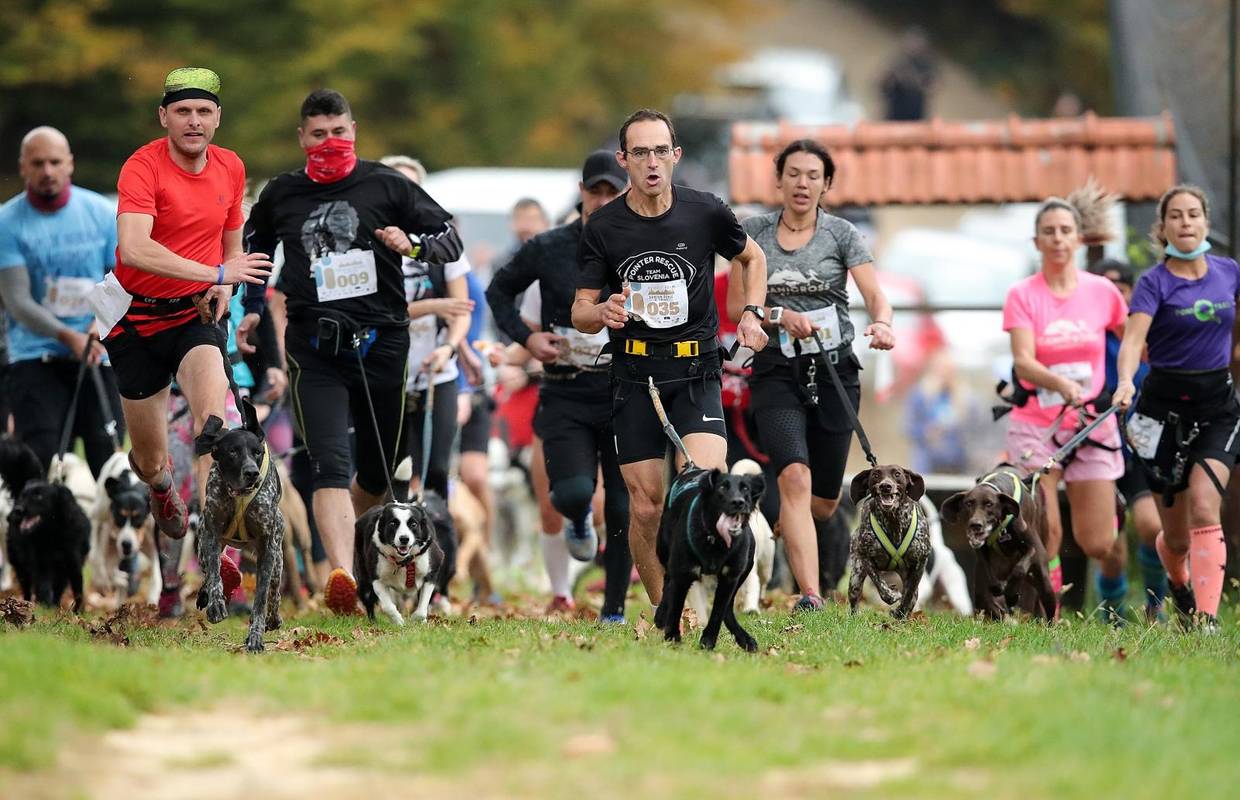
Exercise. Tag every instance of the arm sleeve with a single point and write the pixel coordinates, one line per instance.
(1145, 297)
(729, 237)
(1016, 311)
(508, 282)
(259, 237)
(853, 250)
(441, 244)
(235, 217)
(135, 188)
(15, 291)
(592, 258)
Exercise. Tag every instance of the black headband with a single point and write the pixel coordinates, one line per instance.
(189, 94)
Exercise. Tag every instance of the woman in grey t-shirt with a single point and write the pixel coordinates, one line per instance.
(809, 254)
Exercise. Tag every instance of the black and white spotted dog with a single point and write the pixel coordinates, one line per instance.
(242, 508)
(396, 555)
(892, 535)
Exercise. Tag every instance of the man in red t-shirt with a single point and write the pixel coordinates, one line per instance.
(179, 255)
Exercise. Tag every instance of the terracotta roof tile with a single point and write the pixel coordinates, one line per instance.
(934, 161)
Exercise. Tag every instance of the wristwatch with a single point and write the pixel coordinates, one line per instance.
(757, 311)
(777, 313)
(416, 242)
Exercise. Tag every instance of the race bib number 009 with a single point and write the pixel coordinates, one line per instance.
(826, 320)
(339, 276)
(662, 304)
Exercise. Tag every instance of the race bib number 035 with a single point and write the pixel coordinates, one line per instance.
(339, 276)
(664, 304)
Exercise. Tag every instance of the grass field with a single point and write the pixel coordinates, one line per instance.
(832, 706)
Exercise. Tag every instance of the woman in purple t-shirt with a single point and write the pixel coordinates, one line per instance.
(1186, 429)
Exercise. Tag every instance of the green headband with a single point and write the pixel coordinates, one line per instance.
(187, 83)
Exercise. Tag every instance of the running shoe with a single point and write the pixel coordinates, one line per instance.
(560, 605)
(612, 619)
(230, 576)
(1185, 603)
(171, 515)
(1207, 624)
(581, 539)
(340, 593)
(170, 605)
(809, 602)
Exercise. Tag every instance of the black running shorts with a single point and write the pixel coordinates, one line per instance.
(690, 390)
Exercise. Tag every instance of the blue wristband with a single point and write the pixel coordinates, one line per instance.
(219, 278)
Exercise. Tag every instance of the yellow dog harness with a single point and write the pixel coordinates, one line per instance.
(236, 531)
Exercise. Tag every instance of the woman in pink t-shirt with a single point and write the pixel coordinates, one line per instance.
(1058, 319)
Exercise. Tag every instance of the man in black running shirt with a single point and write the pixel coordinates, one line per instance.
(653, 251)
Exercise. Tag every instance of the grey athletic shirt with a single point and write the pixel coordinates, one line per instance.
(814, 276)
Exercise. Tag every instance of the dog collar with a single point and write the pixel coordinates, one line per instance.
(236, 530)
(409, 566)
(895, 554)
(1017, 490)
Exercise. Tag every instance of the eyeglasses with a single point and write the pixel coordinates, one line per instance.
(642, 153)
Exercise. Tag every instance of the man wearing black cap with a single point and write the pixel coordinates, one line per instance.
(574, 405)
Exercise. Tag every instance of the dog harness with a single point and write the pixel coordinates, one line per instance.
(708, 568)
(236, 530)
(895, 554)
(1018, 489)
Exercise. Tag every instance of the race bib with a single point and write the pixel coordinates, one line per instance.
(68, 297)
(579, 349)
(826, 320)
(1079, 372)
(1144, 434)
(339, 276)
(109, 300)
(663, 304)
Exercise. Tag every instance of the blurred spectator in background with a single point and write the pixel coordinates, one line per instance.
(939, 411)
(1068, 104)
(909, 81)
(528, 220)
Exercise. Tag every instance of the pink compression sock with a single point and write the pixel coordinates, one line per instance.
(1208, 560)
(1176, 564)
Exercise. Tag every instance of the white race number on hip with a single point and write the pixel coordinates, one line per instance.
(579, 349)
(68, 297)
(1144, 434)
(826, 320)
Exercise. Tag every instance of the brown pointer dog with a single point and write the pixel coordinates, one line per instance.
(891, 535)
(1003, 519)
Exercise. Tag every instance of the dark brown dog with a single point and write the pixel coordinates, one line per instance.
(1003, 519)
(886, 499)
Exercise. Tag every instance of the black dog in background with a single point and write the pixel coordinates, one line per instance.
(705, 531)
(48, 533)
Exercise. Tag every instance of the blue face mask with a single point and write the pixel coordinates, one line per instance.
(1174, 251)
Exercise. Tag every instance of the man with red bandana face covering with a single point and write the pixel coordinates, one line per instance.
(345, 225)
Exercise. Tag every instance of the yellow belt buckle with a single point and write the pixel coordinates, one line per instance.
(634, 347)
(687, 349)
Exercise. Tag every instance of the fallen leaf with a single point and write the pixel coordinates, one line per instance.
(583, 643)
(473, 619)
(972, 644)
(691, 619)
(17, 612)
(794, 628)
(1005, 641)
(772, 651)
(641, 628)
(983, 669)
(1120, 654)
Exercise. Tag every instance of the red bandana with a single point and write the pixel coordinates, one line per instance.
(410, 575)
(49, 204)
(331, 160)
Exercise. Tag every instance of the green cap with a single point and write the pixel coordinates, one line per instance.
(186, 83)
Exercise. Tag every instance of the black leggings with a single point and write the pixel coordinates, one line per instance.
(795, 436)
(577, 439)
(443, 434)
(41, 394)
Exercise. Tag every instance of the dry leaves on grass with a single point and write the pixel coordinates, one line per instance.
(642, 628)
(973, 643)
(794, 627)
(299, 640)
(1120, 654)
(16, 611)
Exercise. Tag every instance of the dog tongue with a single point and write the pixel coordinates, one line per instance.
(725, 525)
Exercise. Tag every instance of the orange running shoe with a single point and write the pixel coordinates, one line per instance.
(560, 605)
(340, 592)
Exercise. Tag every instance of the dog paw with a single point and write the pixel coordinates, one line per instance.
(254, 642)
(746, 642)
(397, 620)
(274, 622)
(672, 636)
(217, 611)
(660, 615)
(707, 643)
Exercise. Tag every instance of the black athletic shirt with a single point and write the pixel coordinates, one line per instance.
(318, 220)
(653, 253)
(550, 258)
